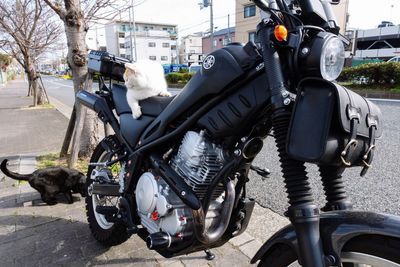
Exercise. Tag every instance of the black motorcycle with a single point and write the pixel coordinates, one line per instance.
(177, 176)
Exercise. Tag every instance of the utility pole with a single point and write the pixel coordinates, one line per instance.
(212, 25)
(229, 30)
(209, 3)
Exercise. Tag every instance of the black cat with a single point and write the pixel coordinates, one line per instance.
(51, 181)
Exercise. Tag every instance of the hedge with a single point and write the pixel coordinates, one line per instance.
(376, 73)
(177, 77)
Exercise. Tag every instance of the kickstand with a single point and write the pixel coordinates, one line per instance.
(209, 255)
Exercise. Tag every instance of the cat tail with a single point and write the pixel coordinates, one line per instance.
(13, 175)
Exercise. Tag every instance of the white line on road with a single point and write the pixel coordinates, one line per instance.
(58, 83)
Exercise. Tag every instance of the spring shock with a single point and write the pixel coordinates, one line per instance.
(335, 194)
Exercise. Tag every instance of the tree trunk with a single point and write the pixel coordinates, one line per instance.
(76, 140)
(34, 85)
(68, 134)
(76, 29)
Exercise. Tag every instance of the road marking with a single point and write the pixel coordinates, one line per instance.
(61, 84)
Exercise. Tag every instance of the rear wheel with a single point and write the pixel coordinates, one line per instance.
(362, 251)
(106, 232)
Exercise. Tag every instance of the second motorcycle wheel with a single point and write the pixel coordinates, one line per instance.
(106, 232)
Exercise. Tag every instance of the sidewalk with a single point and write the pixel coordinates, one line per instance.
(34, 234)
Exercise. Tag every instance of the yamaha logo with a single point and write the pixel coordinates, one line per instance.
(209, 62)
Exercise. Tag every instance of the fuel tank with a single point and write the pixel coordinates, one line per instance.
(220, 70)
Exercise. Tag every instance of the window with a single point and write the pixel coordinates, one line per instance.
(249, 11)
(152, 57)
(215, 43)
(121, 35)
(252, 36)
(165, 44)
(164, 58)
(173, 47)
(152, 44)
(122, 45)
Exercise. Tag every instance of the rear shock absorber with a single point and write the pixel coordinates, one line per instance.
(335, 194)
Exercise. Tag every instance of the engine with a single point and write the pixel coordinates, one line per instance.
(197, 161)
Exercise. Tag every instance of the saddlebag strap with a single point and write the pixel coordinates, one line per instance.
(372, 123)
(353, 115)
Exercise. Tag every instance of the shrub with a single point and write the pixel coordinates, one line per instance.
(177, 77)
(376, 73)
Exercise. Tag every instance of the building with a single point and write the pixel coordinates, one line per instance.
(221, 39)
(248, 16)
(96, 38)
(379, 43)
(191, 50)
(154, 41)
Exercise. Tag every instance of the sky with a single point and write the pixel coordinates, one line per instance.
(185, 13)
(364, 14)
(367, 14)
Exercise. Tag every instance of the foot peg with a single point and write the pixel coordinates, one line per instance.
(262, 172)
(107, 210)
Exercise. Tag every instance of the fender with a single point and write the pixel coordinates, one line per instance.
(336, 228)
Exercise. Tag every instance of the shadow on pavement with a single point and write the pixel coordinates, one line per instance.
(42, 240)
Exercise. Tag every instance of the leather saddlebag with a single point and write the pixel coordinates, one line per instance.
(331, 125)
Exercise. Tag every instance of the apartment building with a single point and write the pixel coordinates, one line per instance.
(191, 50)
(221, 39)
(248, 16)
(154, 41)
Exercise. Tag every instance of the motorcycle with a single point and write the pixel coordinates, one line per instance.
(177, 175)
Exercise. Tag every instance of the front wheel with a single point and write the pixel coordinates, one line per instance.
(365, 251)
(103, 231)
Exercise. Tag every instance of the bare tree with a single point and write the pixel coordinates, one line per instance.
(76, 15)
(28, 29)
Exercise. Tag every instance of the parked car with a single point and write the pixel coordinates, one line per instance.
(361, 80)
(194, 68)
(394, 59)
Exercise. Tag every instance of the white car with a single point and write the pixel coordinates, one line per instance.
(394, 59)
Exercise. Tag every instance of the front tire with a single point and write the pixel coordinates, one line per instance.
(107, 233)
(365, 250)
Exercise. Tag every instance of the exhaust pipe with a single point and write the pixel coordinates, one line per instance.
(210, 236)
(160, 240)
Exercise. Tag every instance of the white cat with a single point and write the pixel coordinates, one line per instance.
(143, 79)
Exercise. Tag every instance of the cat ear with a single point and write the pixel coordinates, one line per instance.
(131, 67)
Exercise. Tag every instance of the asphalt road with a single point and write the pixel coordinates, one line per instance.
(62, 89)
(377, 191)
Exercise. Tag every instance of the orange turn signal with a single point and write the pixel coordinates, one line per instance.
(280, 33)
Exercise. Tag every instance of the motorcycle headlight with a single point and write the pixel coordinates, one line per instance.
(323, 56)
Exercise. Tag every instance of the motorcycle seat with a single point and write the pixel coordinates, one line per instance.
(132, 128)
(151, 106)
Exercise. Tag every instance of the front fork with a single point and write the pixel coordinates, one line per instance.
(302, 212)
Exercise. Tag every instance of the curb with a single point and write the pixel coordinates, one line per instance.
(61, 107)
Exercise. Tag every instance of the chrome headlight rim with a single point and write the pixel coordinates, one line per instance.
(332, 58)
(317, 51)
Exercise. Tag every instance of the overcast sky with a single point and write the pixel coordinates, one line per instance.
(364, 14)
